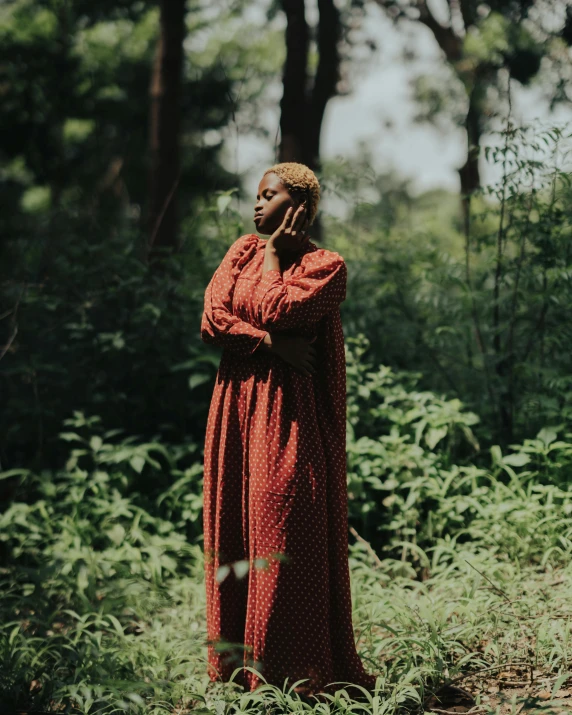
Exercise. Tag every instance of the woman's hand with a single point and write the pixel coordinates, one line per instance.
(291, 235)
(293, 349)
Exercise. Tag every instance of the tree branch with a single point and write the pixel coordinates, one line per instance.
(448, 41)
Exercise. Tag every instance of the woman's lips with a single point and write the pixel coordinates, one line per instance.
(257, 217)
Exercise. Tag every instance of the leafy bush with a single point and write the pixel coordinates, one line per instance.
(411, 483)
(87, 553)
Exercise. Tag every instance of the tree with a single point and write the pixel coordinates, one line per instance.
(479, 41)
(304, 100)
(165, 92)
(74, 125)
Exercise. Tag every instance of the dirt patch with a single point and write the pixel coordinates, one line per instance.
(511, 691)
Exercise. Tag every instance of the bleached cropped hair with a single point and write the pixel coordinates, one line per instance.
(298, 177)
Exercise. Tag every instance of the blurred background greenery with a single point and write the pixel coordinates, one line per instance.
(118, 201)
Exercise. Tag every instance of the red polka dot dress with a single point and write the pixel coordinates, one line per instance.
(275, 494)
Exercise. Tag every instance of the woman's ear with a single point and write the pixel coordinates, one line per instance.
(298, 198)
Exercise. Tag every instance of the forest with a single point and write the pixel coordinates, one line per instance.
(120, 194)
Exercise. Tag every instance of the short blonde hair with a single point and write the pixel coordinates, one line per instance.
(299, 177)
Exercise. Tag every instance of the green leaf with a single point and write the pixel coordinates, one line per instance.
(116, 624)
(186, 365)
(434, 435)
(261, 563)
(222, 573)
(559, 683)
(223, 202)
(547, 435)
(95, 443)
(241, 568)
(13, 633)
(198, 378)
(70, 437)
(83, 578)
(116, 534)
(519, 459)
(496, 454)
(14, 473)
(136, 698)
(137, 463)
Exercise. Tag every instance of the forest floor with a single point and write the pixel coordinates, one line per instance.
(510, 691)
(481, 634)
(496, 634)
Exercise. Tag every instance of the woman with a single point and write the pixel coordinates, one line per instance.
(275, 495)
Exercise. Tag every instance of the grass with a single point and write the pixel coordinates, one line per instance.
(493, 628)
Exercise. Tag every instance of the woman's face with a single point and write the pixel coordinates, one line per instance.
(272, 202)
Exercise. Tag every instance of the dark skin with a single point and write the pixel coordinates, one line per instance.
(282, 215)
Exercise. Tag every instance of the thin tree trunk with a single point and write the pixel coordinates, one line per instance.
(501, 362)
(165, 91)
(510, 349)
(469, 173)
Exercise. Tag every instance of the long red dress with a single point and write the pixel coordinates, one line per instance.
(275, 490)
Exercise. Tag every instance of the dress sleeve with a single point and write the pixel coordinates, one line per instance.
(304, 298)
(218, 325)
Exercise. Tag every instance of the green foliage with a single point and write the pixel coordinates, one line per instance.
(107, 335)
(461, 524)
(88, 554)
(482, 48)
(410, 480)
(102, 578)
(480, 314)
(91, 523)
(84, 323)
(75, 117)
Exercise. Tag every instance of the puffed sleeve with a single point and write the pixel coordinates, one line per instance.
(306, 297)
(218, 325)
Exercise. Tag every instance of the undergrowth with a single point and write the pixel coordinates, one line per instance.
(463, 578)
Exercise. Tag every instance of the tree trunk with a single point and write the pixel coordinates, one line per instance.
(294, 103)
(165, 91)
(327, 76)
(469, 173)
(302, 109)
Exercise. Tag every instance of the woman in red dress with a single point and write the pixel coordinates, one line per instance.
(275, 491)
